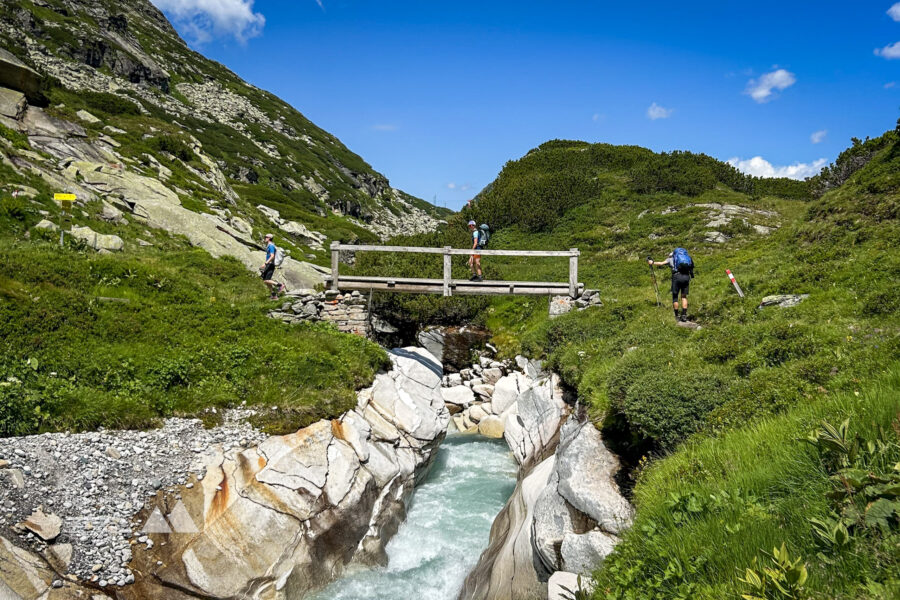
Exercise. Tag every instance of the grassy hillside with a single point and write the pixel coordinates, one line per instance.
(121, 340)
(711, 417)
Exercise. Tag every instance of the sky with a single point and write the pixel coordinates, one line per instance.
(438, 95)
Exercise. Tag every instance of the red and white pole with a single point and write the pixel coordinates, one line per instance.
(734, 283)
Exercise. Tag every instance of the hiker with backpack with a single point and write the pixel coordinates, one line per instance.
(682, 272)
(274, 258)
(480, 237)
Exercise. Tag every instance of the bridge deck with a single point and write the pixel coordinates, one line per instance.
(448, 286)
(412, 285)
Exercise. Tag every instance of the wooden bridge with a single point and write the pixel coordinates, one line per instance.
(451, 287)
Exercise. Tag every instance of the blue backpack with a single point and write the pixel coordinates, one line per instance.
(683, 262)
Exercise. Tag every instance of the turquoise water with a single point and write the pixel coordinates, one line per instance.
(447, 527)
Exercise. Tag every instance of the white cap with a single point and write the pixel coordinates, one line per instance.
(269, 236)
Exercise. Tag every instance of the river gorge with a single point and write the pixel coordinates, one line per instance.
(487, 483)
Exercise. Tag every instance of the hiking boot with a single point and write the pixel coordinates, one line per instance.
(683, 318)
(478, 278)
(473, 278)
(273, 297)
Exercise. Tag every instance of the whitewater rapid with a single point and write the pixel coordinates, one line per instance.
(446, 530)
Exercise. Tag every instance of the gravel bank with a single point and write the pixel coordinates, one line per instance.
(96, 483)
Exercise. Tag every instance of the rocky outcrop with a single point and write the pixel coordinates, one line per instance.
(783, 300)
(26, 576)
(16, 75)
(566, 511)
(279, 519)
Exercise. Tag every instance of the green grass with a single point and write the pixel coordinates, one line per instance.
(185, 333)
(705, 512)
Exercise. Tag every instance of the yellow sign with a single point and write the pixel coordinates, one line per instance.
(65, 197)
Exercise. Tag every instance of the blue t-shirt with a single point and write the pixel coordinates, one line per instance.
(270, 251)
(476, 238)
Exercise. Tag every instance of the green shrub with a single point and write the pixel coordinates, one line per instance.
(110, 104)
(668, 404)
(172, 145)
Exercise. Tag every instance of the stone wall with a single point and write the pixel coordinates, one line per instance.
(349, 311)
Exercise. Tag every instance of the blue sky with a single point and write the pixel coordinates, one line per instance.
(439, 95)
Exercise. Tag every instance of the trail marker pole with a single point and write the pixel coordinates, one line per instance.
(734, 283)
(65, 203)
(655, 284)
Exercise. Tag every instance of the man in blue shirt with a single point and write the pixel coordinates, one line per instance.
(267, 270)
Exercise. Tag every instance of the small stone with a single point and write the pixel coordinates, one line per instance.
(46, 527)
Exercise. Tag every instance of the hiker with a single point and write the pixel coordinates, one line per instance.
(267, 270)
(682, 272)
(475, 259)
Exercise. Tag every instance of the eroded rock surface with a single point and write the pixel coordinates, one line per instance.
(279, 519)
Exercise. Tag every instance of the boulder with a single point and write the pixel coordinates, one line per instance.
(532, 432)
(12, 104)
(491, 426)
(587, 472)
(564, 585)
(59, 556)
(583, 553)
(17, 75)
(484, 390)
(459, 395)
(476, 413)
(783, 300)
(98, 241)
(506, 391)
(560, 305)
(45, 224)
(14, 477)
(46, 527)
(491, 375)
(552, 521)
(87, 117)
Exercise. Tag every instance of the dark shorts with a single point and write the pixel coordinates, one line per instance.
(681, 283)
(268, 272)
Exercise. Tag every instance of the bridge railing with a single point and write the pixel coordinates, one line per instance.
(448, 252)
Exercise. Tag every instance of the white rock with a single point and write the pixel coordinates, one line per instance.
(459, 395)
(583, 553)
(491, 426)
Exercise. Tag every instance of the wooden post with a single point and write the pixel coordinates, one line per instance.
(335, 258)
(573, 273)
(448, 267)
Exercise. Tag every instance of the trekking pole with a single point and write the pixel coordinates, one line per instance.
(734, 283)
(655, 284)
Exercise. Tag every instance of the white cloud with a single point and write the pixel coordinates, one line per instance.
(451, 186)
(655, 111)
(890, 52)
(596, 117)
(384, 127)
(760, 167)
(464, 187)
(205, 19)
(894, 12)
(890, 84)
(762, 89)
(321, 5)
(818, 136)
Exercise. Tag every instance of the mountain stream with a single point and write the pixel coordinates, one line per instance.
(446, 529)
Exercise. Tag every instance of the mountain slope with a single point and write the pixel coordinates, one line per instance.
(117, 92)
